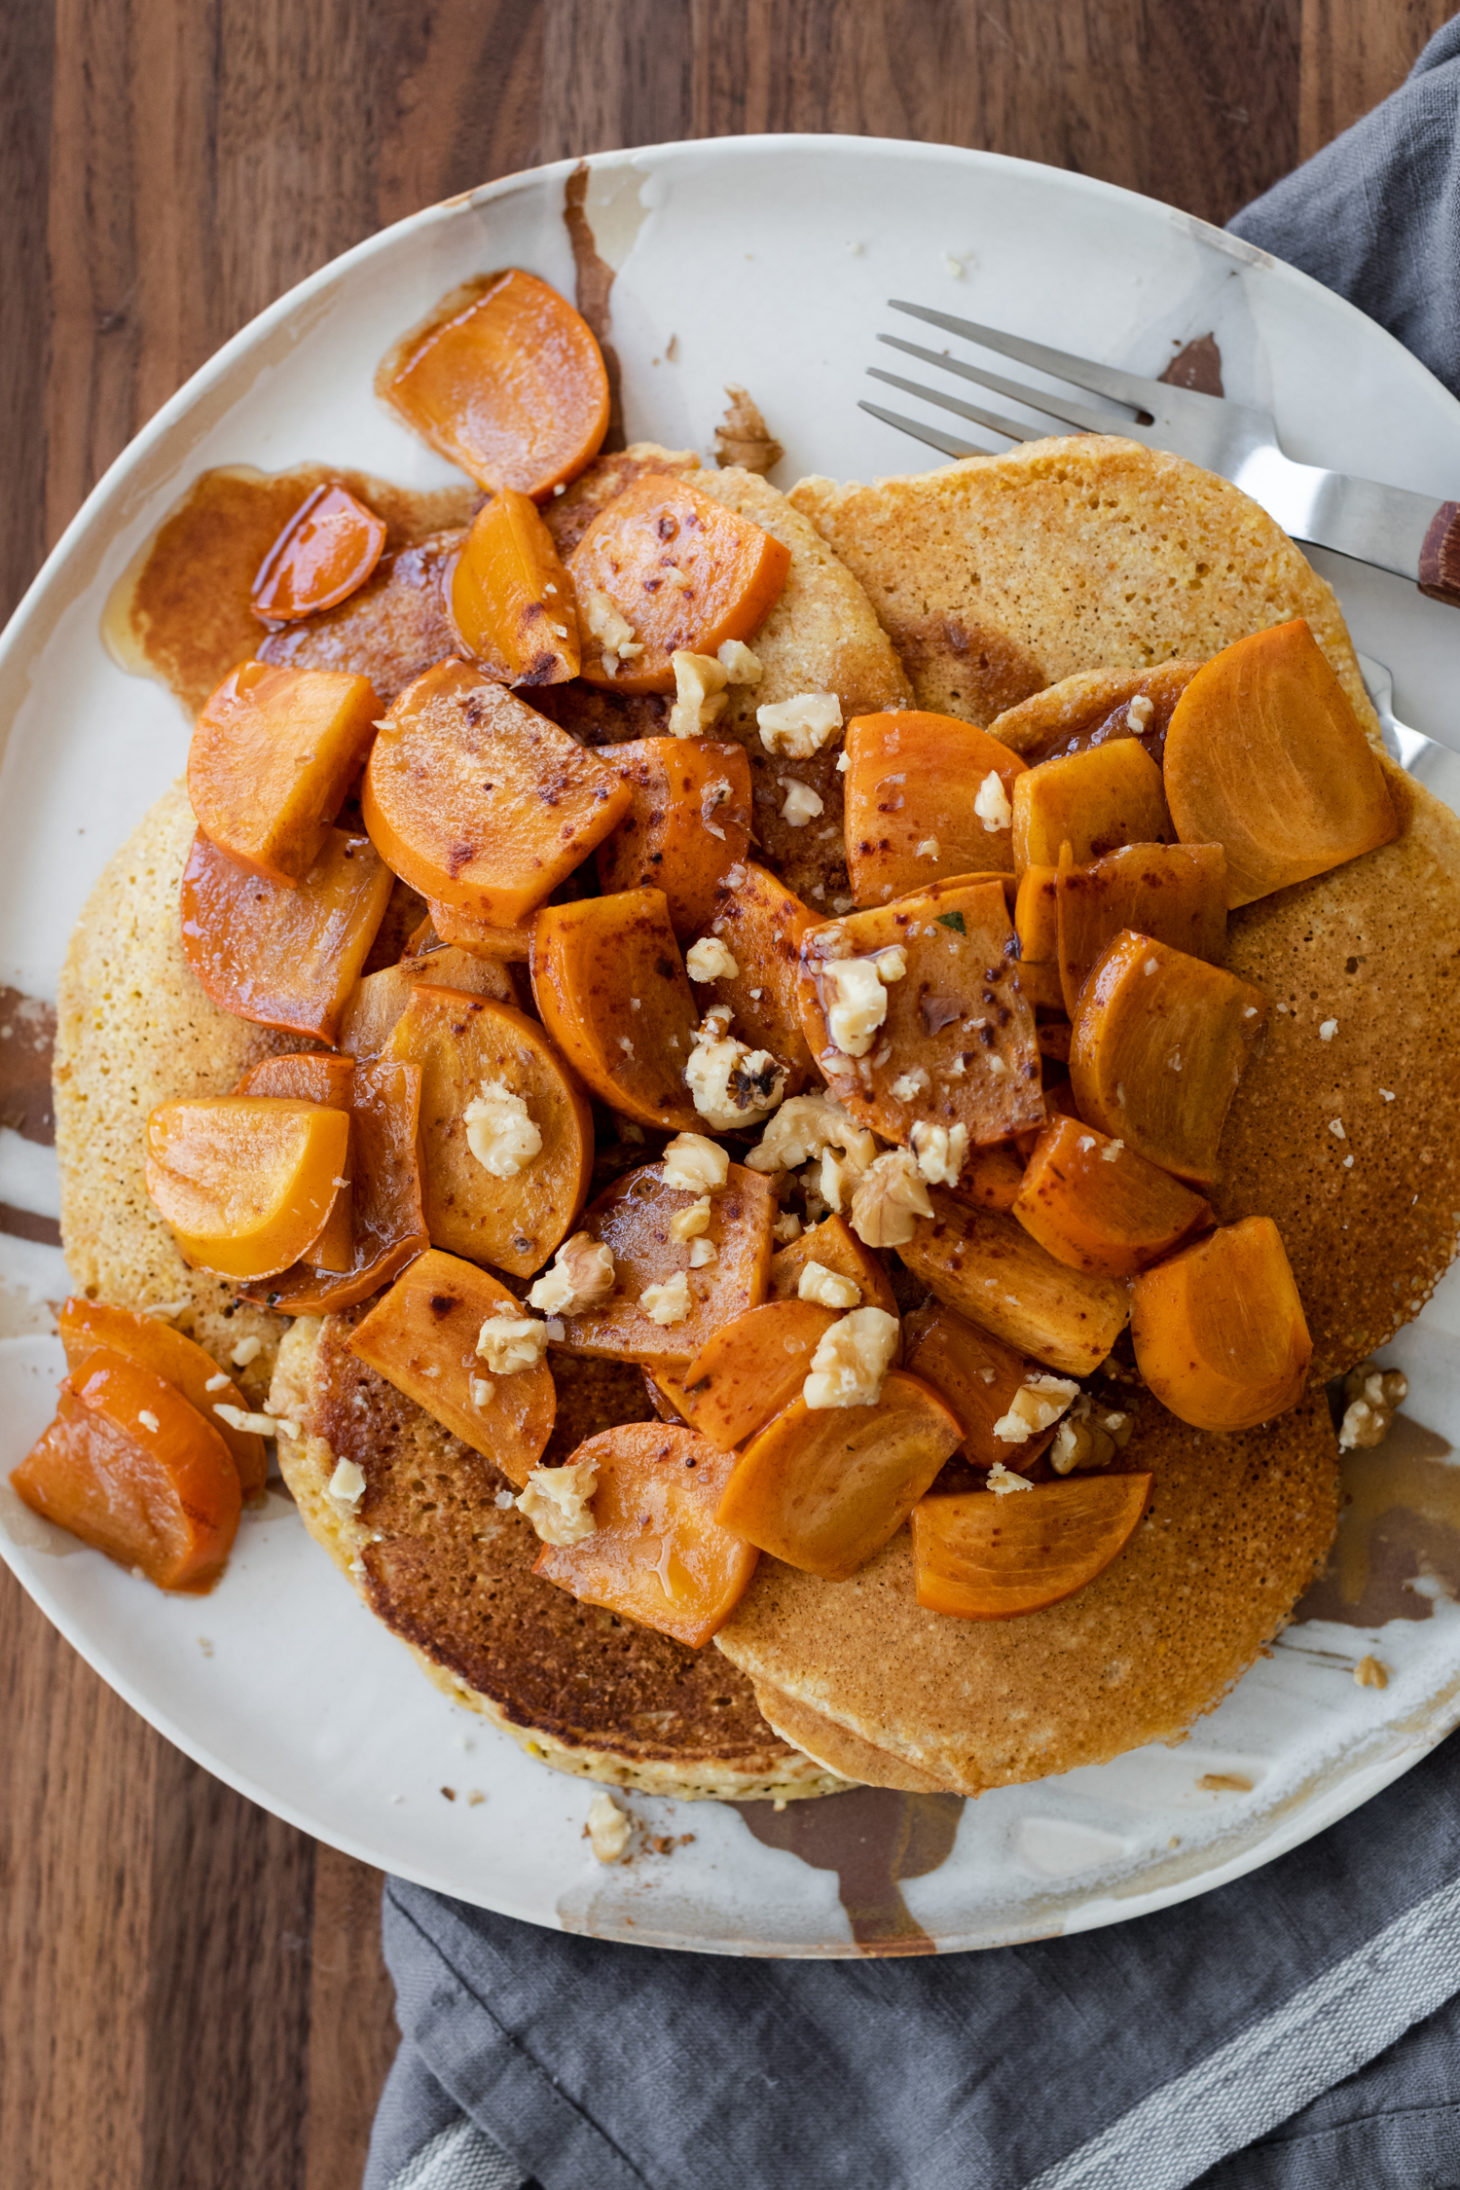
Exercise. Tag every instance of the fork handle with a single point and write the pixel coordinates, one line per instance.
(1439, 558)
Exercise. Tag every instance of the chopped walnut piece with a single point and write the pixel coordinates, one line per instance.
(606, 622)
(743, 436)
(510, 1341)
(668, 1303)
(696, 1163)
(499, 1131)
(888, 1201)
(557, 1502)
(690, 1223)
(608, 1829)
(1002, 1480)
(732, 1084)
(827, 1288)
(941, 1150)
(800, 805)
(740, 665)
(710, 959)
(802, 1128)
(699, 693)
(1040, 1400)
(1089, 1437)
(856, 991)
(800, 726)
(851, 1360)
(1369, 1673)
(582, 1276)
(1373, 1396)
(991, 803)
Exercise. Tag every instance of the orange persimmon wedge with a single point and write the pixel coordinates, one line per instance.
(593, 963)
(422, 1337)
(324, 554)
(1175, 892)
(980, 1556)
(991, 1177)
(511, 599)
(84, 1325)
(506, 380)
(477, 800)
(989, 1269)
(1266, 757)
(378, 999)
(1158, 1044)
(245, 1182)
(272, 756)
(387, 1221)
(1219, 1331)
(684, 572)
(657, 1554)
(1097, 1205)
(761, 923)
(751, 1368)
(825, 1488)
(687, 824)
(1093, 801)
(920, 805)
(836, 1247)
(513, 1208)
(509, 942)
(287, 955)
(314, 1077)
(136, 1472)
(978, 1376)
(1036, 923)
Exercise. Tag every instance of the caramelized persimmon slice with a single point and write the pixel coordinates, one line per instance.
(1266, 757)
(657, 1554)
(991, 1178)
(135, 1471)
(245, 1182)
(632, 1219)
(324, 554)
(1219, 1331)
(825, 1488)
(1097, 1205)
(286, 955)
(489, 1195)
(313, 1077)
(837, 1248)
(761, 923)
(980, 1556)
(989, 1269)
(422, 1337)
(510, 942)
(979, 1377)
(751, 1368)
(506, 380)
(1174, 892)
(1036, 923)
(511, 599)
(956, 1046)
(478, 801)
(927, 797)
(1093, 801)
(1092, 707)
(685, 574)
(378, 999)
(610, 984)
(687, 824)
(85, 1325)
(272, 756)
(387, 1220)
(1159, 1043)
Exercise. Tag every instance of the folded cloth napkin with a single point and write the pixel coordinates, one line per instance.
(1299, 2030)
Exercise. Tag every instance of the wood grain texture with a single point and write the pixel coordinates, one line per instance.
(191, 1994)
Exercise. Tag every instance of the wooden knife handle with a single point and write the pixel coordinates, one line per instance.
(1439, 558)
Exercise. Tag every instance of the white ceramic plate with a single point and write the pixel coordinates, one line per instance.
(766, 261)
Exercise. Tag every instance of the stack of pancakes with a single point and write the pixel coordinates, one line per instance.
(967, 591)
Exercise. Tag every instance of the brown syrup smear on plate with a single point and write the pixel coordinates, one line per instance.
(1198, 365)
(1400, 1522)
(873, 1838)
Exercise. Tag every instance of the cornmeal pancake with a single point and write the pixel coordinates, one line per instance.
(449, 1570)
(1236, 1528)
(839, 1750)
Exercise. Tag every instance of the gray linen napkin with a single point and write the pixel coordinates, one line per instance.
(1299, 2030)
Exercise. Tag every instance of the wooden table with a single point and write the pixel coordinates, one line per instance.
(191, 1994)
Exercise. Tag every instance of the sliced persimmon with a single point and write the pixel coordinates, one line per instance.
(1266, 757)
(136, 1472)
(752, 1367)
(325, 553)
(511, 599)
(836, 1247)
(927, 797)
(510, 941)
(825, 1488)
(1219, 1331)
(632, 1219)
(978, 1376)
(314, 1077)
(761, 923)
(609, 981)
(956, 1045)
(685, 574)
(272, 756)
(990, 1270)
(503, 1206)
(1093, 801)
(387, 1220)
(1097, 1205)
(1158, 1045)
(980, 1556)
(85, 1325)
(287, 955)
(475, 799)
(245, 1182)
(378, 999)
(991, 1177)
(422, 1337)
(506, 380)
(1174, 892)
(687, 824)
(657, 1554)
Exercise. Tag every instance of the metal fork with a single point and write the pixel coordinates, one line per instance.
(1411, 534)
